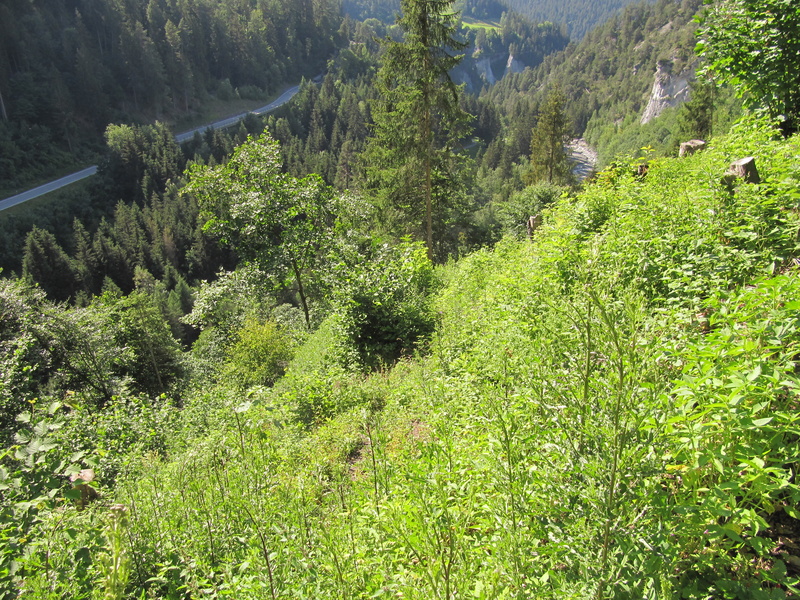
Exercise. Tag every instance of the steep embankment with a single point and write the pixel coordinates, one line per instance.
(609, 408)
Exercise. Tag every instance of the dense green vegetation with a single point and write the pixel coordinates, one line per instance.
(609, 410)
(438, 368)
(733, 39)
(579, 17)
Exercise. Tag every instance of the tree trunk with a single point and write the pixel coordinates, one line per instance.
(427, 129)
(3, 107)
(428, 196)
(301, 293)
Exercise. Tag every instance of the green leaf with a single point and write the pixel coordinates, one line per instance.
(244, 407)
(83, 555)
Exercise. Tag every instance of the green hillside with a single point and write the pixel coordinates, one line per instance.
(578, 16)
(608, 76)
(238, 371)
(607, 410)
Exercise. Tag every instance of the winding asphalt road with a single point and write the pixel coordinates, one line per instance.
(280, 101)
(181, 137)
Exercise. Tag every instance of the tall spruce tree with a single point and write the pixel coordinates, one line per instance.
(411, 159)
(45, 263)
(549, 159)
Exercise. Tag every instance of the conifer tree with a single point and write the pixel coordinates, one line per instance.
(549, 159)
(696, 117)
(45, 263)
(411, 163)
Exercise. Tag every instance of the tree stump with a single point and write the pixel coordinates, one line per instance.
(690, 147)
(80, 481)
(744, 169)
(533, 224)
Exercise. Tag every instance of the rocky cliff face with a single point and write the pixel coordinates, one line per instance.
(513, 65)
(485, 70)
(669, 89)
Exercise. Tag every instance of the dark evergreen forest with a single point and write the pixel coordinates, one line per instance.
(131, 221)
(67, 69)
(577, 16)
(132, 224)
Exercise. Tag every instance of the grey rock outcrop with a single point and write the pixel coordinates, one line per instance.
(483, 67)
(513, 65)
(669, 90)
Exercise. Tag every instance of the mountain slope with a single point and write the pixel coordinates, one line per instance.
(570, 400)
(612, 69)
(578, 16)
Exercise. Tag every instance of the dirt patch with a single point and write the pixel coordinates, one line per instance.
(785, 532)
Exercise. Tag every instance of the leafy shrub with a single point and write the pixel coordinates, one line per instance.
(125, 428)
(735, 443)
(33, 483)
(24, 359)
(316, 396)
(514, 213)
(383, 312)
(259, 356)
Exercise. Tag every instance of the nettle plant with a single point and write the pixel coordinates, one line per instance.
(33, 483)
(735, 445)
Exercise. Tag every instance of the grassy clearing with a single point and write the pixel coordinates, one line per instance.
(25, 210)
(215, 110)
(7, 192)
(473, 23)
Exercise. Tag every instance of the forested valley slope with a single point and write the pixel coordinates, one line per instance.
(382, 342)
